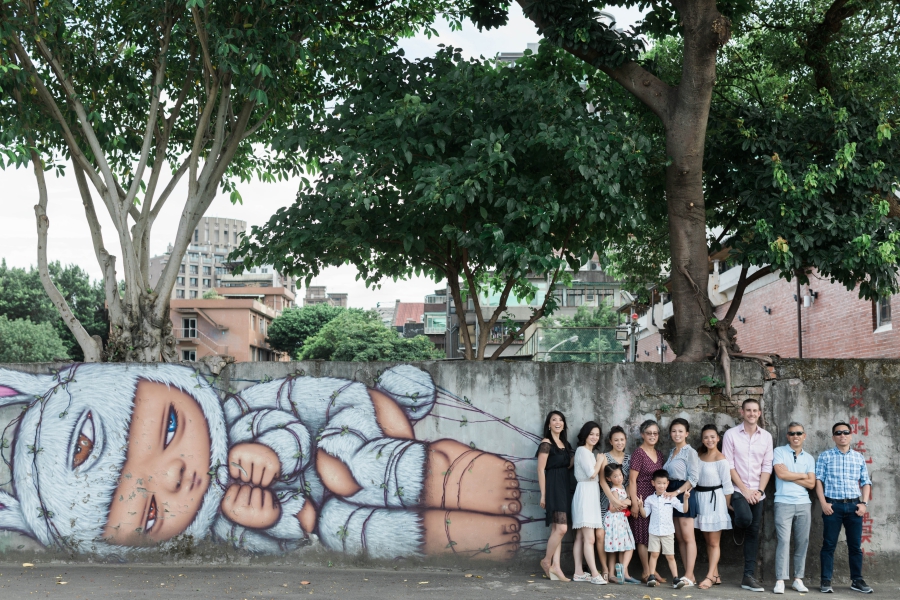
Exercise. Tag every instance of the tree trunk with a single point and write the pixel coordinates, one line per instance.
(683, 110)
(705, 30)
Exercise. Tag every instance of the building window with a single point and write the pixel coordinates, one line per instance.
(196, 235)
(207, 270)
(181, 270)
(193, 293)
(883, 312)
(193, 282)
(189, 327)
(194, 269)
(206, 283)
(179, 293)
(435, 324)
(194, 256)
(189, 355)
(179, 280)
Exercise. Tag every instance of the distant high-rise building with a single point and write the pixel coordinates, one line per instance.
(203, 265)
(317, 294)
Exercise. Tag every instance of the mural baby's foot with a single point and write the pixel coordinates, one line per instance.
(470, 535)
(460, 477)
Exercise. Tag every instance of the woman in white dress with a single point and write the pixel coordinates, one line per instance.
(713, 492)
(587, 518)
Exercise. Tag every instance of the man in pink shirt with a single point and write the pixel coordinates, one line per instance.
(748, 449)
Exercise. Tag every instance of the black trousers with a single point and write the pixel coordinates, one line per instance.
(747, 517)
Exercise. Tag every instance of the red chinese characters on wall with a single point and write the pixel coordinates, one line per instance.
(861, 427)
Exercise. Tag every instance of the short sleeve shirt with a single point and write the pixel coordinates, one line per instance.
(788, 492)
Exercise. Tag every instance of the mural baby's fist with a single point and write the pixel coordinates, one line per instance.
(253, 463)
(252, 507)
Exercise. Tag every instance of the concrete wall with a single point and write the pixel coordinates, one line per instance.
(494, 409)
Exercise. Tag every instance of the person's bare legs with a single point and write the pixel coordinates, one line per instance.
(557, 563)
(550, 562)
(578, 551)
(673, 566)
(599, 541)
(645, 564)
(687, 545)
(588, 538)
(651, 561)
(611, 562)
(714, 551)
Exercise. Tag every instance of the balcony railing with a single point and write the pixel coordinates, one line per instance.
(435, 330)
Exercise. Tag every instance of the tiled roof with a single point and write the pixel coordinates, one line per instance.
(408, 311)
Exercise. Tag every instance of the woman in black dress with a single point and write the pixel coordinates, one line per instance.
(555, 457)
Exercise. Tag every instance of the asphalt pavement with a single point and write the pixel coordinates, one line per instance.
(134, 582)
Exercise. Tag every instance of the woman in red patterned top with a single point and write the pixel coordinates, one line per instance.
(644, 461)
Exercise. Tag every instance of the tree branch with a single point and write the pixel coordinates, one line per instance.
(654, 93)
(93, 351)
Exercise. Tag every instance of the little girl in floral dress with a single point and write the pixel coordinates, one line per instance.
(618, 532)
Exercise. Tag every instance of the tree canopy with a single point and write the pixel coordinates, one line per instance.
(361, 337)
(23, 297)
(475, 171)
(289, 331)
(22, 341)
(142, 96)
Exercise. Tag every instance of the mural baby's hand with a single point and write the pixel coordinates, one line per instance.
(250, 506)
(253, 463)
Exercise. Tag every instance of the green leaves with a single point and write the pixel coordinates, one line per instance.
(434, 164)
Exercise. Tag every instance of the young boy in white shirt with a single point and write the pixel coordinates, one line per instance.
(662, 528)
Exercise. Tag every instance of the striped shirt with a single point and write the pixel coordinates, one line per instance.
(842, 474)
(685, 466)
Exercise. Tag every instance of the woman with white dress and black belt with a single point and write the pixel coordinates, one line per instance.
(713, 493)
(587, 517)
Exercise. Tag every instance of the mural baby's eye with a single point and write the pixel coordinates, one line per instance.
(85, 442)
(171, 426)
(151, 515)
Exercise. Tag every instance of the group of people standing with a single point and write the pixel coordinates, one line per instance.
(624, 502)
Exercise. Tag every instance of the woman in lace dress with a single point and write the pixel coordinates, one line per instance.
(587, 517)
(713, 492)
(554, 458)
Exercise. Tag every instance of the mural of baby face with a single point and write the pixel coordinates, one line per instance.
(166, 470)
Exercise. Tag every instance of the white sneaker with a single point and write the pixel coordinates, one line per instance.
(598, 580)
(798, 585)
(582, 577)
(779, 587)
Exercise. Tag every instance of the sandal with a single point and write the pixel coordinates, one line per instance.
(659, 578)
(558, 576)
(718, 580)
(705, 579)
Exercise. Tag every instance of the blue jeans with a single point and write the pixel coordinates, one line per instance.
(748, 517)
(843, 515)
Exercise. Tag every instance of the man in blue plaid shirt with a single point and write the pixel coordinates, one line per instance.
(843, 487)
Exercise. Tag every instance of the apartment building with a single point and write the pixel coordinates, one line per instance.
(204, 264)
(317, 294)
(234, 324)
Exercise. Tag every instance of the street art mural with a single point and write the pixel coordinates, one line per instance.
(112, 459)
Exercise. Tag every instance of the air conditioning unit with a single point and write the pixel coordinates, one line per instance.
(589, 297)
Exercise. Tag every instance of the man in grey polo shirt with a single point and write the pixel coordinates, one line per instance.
(795, 474)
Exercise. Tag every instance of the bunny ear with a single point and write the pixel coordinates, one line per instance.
(17, 387)
(11, 517)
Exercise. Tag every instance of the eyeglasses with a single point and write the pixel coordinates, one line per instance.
(841, 432)
(795, 433)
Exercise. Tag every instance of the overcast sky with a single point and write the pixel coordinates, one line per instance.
(69, 238)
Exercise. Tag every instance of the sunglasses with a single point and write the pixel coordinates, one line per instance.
(795, 433)
(841, 432)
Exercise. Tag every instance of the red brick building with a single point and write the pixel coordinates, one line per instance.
(836, 323)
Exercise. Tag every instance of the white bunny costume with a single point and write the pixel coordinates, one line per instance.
(68, 507)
